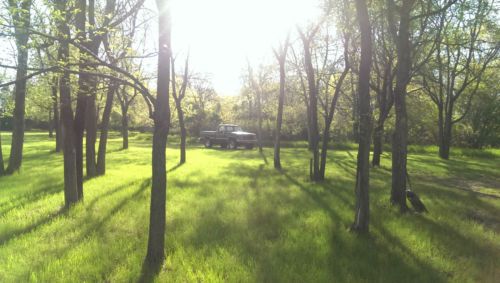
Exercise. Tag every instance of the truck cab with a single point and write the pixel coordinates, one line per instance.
(228, 135)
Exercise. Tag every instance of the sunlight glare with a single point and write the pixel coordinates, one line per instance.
(222, 34)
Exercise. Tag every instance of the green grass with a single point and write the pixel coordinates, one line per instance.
(231, 217)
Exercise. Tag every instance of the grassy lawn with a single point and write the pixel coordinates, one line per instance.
(231, 217)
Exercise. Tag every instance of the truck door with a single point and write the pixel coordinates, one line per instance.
(219, 135)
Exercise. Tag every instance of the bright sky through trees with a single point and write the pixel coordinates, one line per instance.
(222, 34)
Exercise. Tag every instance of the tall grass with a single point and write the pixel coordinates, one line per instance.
(232, 218)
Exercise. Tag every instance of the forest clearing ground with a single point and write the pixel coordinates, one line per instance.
(232, 217)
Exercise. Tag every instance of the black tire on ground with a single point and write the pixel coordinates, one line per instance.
(223, 145)
(232, 144)
(208, 143)
(249, 146)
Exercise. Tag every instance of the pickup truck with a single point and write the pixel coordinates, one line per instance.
(228, 135)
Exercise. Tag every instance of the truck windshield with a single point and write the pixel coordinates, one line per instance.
(231, 129)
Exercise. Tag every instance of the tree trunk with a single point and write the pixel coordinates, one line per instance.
(377, 143)
(125, 127)
(329, 118)
(91, 136)
(83, 90)
(180, 114)
(313, 106)
(385, 101)
(70, 174)
(279, 118)
(21, 18)
(362, 212)
(55, 107)
(309, 135)
(400, 137)
(2, 168)
(445, 127)
(441, 130)
(259, 119)
(103, 140)
(51, 124)
(156, 240)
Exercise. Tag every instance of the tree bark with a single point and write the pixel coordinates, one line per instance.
(400, 137)
(259, 118)
(70, 174)
(2, 168)
(362, 212)
(446, 124)
(156, 240)
(279, 118)
(55, 107)
(21, 18)
(51, 124)
(178, 97)
(180, 114)
(91, 135)
(125, 127)
(103, 140)
(385, 101)
(81, 101)
(313, 104)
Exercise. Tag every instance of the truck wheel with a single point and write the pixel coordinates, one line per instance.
(249, 146)
(208, 143)
(233, 144)
(223, 145)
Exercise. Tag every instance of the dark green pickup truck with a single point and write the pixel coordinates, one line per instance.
(228, 135)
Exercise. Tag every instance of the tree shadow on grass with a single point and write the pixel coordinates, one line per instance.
(26, 199)
(177, 166)
(26, 230)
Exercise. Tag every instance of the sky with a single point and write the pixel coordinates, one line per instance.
(222, 35)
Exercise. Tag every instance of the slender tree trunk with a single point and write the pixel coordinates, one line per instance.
(125, 127)
(385, 101)
(81, 101)
(444, 148)
(313, 107)
(362, 212)
(400, 137)
(180, 114)
(90, 86)
(156, 240)
(91, 136)
(22, 22)
(103, 140)
(309, 134)
(281, 100)
(51, 124)
(70, 174)
(259, 119)
(355, 113)
(441, 131)
(329, 118)
(55, 107)
(377, 143)
(324, 151)
(2, 168)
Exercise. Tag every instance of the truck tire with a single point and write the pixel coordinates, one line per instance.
(208, 143)
(249, 146)
(232, 144)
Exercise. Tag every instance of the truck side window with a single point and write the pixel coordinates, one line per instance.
(221, 129)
